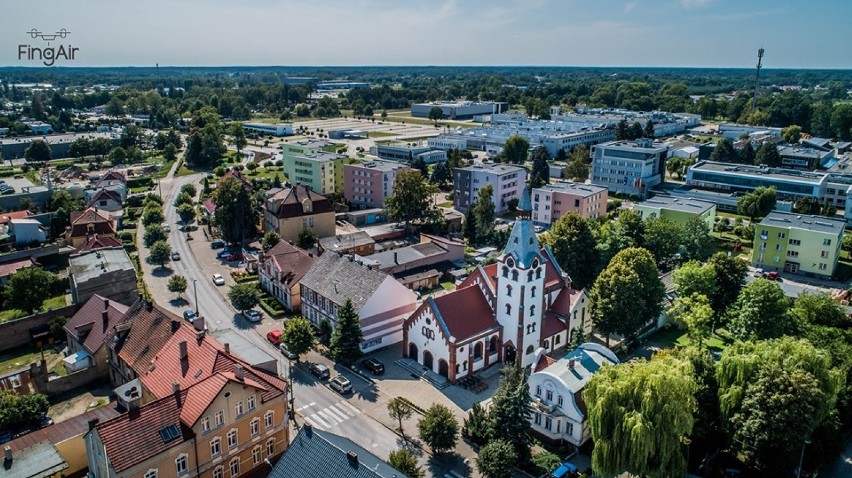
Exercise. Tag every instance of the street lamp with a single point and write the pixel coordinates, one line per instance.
(195, 292)
(802, 457)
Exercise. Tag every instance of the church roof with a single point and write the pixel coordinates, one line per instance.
(463, 313)
(523, 244)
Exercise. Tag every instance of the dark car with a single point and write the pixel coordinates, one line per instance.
(189, 315)
(217, 244)
(374, 365)
(319, 371)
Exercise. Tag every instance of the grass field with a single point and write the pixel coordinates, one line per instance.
(267, 173)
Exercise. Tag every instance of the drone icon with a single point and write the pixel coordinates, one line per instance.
(34, 33)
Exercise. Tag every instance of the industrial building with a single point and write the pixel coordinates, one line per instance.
(407, 152)
(60, 144)
(629, 168)
(665, 124)
(278, 129)
(507, 181)
(458, 110)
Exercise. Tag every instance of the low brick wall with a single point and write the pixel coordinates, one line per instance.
(16, 333)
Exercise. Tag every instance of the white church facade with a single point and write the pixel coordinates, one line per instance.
(501, 312)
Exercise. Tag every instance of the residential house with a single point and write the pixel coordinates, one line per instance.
(28, 231)
(281, 269)
(291, 209)
(501, 312)
(359, 243)
(677, 210)
(323, 454)
(556, 386)
(95, 242)
(380, 301)
(87, 331)
(108, 272)
(795, 243)
(106, 200)
(415, 266)
(10, 267)
(87, 222)
(112, 181)
(41, 460)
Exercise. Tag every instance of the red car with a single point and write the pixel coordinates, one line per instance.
(274, 337)
(237, 256)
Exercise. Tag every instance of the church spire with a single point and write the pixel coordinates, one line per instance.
(523, 244)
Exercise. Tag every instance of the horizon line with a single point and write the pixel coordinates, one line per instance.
(750, 68)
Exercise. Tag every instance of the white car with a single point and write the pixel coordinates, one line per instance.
(167, 227)
(758, 273)
(253, 316)
(218, 279)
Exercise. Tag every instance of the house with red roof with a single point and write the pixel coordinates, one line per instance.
(501, 312)
(87, 222)
(87, 330)
(281, 269)
(95, 242)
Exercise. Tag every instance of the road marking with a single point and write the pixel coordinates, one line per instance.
(312, 404)
(350, 406)
(314, 418)
(329, 417)
(336, 413)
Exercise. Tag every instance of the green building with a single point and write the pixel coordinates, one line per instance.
(311, 164)
(676, 209)
(795, 243)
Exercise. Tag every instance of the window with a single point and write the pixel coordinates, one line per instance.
(270, 447)
(529, 276)
(530, 349)
(515, 274)
(559, 401)
(255, 427)
(532, 291)
(538, 390)
(215, 446)
(823, 254)
(777, 247)
(509, 290)
(238, 409)
(826, 242)
(781, 235)
(795, 242)
(218, 472)
(151, 474)
(505, 271)
(181, 464)
(205, 424)
(235, 467)
(549, 395)
(823, 266)
(538, 273)
(508, 309)
(232, 439)
(548, 422)
(269, 418)
(792, 253)
(255, 455)
(220, 418)
(250, 402)
(569, 428)
(532, 314)
(538, 419)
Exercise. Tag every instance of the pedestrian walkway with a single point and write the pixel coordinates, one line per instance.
(328, 417)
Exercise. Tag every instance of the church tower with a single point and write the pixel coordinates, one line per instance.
(520, 287)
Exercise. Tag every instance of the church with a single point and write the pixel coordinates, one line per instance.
(501, 312)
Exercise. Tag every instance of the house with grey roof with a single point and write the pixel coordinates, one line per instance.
(381, 302)
(107, 272)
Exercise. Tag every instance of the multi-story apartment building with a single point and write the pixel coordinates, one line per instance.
(808, 245)
(367, 185)
(629, 168)
(552, 201)
(290, 209)
(307, 163)
(408, 152)
(676, 209)
(506, 180)
(381, 302)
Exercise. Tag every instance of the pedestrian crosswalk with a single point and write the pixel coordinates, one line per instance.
(330, 416)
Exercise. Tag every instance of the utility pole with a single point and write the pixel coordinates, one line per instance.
(195, 292)
(757, 78)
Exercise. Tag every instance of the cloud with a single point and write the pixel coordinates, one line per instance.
(630, 6)
(695, 3)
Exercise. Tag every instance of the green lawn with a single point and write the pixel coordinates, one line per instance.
(267, 173)
(446, 204)
(51, 303)
(675, 336)
(448, 286)
(18, 358)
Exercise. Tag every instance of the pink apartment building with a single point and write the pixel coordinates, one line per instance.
(367, 185)
(552, 201)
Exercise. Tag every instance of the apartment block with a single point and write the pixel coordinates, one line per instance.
(629, 168)
(678, 210)
(507, 181)
(367, 185)
(808, 245)
(553, 201)
(307, 163)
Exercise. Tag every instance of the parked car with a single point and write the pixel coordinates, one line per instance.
(189, 315)
(236, 256)
(772, 276)
(286, 352)
(374, 365)
(5, 436)
(253, 316)
(217, 244)
(566, 470)
(759, 272)
(538, 229)
(167, 227)
(274, 337)
(218, 279)
(341, 385)
(44, 421)
(319, 371)
(175, 256)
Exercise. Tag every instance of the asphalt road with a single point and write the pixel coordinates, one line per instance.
(314, 401)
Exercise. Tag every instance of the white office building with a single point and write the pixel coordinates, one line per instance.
(629, 168)
(279, 129)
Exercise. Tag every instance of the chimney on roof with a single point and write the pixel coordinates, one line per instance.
(175, 325)
(105, 318)
(227, 348)
(351, 257)
(183, 350)
(240, 372)
(93, 423)
(571, 363)
(7, 454)
(106, 304)
(395, 260)
(352, 457)
(199, 324)
(175, 387)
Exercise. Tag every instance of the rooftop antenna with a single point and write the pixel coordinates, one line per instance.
(757, 78)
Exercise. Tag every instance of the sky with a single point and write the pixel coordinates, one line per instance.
(714, 33)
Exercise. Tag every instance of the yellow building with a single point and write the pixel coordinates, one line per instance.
(289, 210)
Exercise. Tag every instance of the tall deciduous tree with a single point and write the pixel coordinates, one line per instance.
(760, 312)
(662, 237)
(695, 278)
(238, 137)
(748, 154)
(159, 253)
(693, 313)
(696, 239)
(298, 336)
(470, 225)
(640, 414)
(577, 167)
(516, 149)
(438, 428)
(574, 248)
(540, 174)
(402, 459)
(347, 337)
(177, 284)
(511, 408)
(236, 215)
(757, 203)
(186, 213)
(483, 214)
(792, 134)
(627, 294)
(244, 296)
(411, 199)
(819, 309)
(436, 114)
(730, 279)
(307, 238)
(27, 289)
(724, 152)
(38, 152)
(399, 410)
(497, 459)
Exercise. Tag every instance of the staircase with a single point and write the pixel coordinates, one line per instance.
(438, 381)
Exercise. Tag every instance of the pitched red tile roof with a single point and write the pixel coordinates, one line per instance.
(491, 274)
(209, 205)
(552, 325)
(95, 241)
(292, 262)
(9, 268)
(200, 396)
(463, 313)
(113, 175)
(8, 216)
(88, 325)
(150, 327)
(291, 202)
(553, 272)
(61, 431)
(80, 221)
(104, 194)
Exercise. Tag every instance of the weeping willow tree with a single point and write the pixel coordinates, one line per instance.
(640, 414)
